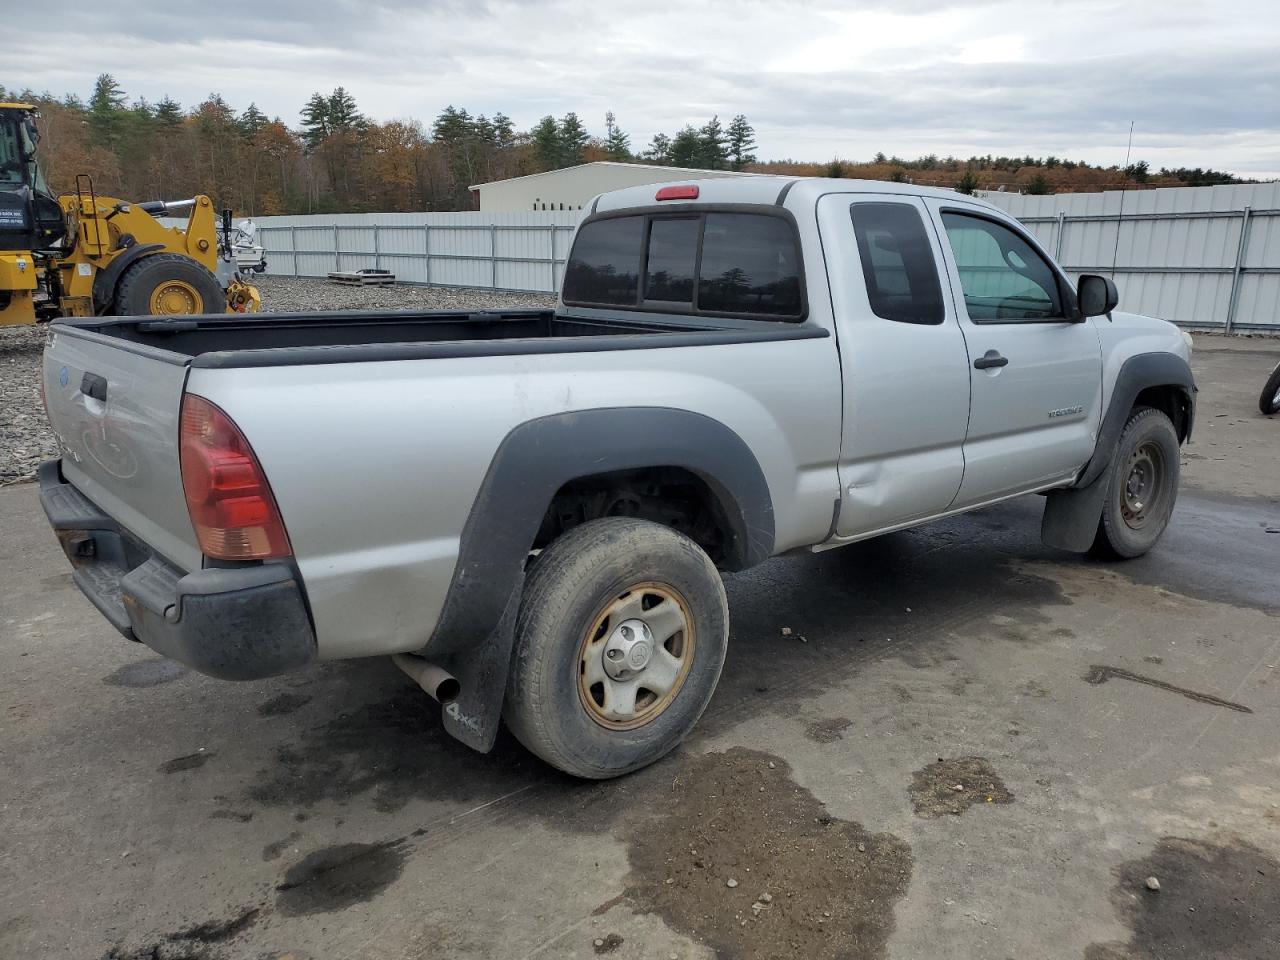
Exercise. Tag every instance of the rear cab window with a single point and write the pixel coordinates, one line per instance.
(700, 261)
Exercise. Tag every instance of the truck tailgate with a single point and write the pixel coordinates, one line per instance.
(115, 408)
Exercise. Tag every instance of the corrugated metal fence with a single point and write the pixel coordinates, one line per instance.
(1206, 257)
(498, 251)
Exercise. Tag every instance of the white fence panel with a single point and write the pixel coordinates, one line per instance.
(1206, 257)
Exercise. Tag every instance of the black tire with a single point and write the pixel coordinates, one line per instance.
(1142, 487)
(601, 566)
(1269, 400)
(199, 288)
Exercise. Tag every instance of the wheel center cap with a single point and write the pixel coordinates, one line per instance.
(628, 649)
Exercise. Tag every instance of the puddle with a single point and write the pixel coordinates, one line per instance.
(338, 877)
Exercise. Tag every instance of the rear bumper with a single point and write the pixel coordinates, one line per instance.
(235, 623)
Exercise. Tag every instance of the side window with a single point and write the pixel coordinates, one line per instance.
(1004, 279)
(897, 262)
(673, 251)
(605, 264)
(750, 264)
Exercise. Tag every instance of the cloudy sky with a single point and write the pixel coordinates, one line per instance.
(817, 79)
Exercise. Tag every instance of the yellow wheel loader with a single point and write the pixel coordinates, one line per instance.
(83, 255)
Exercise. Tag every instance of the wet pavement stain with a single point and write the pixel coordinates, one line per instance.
(1216, 900)
(733, 853)
(607, 944)
(827, 730)
(239, 816)
(273, 850)
(387, 742)
(191, 943)
(146, 673)
(1099, 674)
(334, 878)
(934, 792)
(283, 705)
(192, 761)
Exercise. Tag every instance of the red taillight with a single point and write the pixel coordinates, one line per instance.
(228, 497)
(678, 193)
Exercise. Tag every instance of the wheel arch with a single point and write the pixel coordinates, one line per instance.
(535, 461)
(109, 277)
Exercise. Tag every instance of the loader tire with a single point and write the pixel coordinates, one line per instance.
(168, 284)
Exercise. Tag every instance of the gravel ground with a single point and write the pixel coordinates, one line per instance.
(25, 438)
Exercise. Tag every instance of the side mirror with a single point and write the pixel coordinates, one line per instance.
(1096, 295)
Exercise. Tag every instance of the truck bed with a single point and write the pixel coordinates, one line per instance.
(354, 336)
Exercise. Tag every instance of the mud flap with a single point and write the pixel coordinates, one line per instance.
(482, 671)
(1071, 517)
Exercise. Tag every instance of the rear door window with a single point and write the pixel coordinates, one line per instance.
(898, 264)
(604, 267)
(751, 265)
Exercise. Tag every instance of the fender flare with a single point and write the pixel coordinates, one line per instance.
(104, 284)
(476, 629)
(1071, 515)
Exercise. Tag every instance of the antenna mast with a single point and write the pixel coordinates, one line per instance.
(1115, 252)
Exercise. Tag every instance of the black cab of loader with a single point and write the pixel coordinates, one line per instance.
(30, 216)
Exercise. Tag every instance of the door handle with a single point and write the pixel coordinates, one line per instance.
(990, 359)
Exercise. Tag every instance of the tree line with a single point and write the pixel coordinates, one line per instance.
(335, 159)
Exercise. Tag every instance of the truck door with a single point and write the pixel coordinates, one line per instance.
(903, 362)
(1036, 369)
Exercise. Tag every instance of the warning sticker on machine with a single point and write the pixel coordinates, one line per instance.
(13, 218)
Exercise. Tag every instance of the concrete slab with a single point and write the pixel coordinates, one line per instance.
(1129, 712)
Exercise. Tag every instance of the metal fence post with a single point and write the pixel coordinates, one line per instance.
(493, 256)
(1057, 241)
(293, 247)
(1241, 249)
(551, 258)
(377, 249)
(426, 250)
(337, 262)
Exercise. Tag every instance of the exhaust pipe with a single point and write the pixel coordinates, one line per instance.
(440, 684)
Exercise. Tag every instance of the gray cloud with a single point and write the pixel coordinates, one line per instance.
(818, 79)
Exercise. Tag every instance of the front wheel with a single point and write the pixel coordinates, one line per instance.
(1141, 488)
(1269, 401)
(620, 639)
(168, 284)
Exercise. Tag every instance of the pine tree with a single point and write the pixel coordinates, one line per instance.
(504, 134)
(713, 146)
(573, 140)
(169, 112)
(617, 145)
(686, 148)
(315, 121)
(106, 109)
(252, 120)
(967, 182)
(343, 114)
(742, 140)
(659, 150)
(546, 143)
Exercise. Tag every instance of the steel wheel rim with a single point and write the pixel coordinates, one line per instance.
(175, 297)
(1143, 485)
(621, 693)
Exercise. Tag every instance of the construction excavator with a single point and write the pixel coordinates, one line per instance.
(83, 255)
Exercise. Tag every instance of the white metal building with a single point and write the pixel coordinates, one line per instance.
(572, 187)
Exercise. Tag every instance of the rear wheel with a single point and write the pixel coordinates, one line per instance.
(168, 284)
(619, 643)
(1269, 402)
(1142, 487)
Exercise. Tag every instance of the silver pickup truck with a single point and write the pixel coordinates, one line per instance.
(529, 509)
